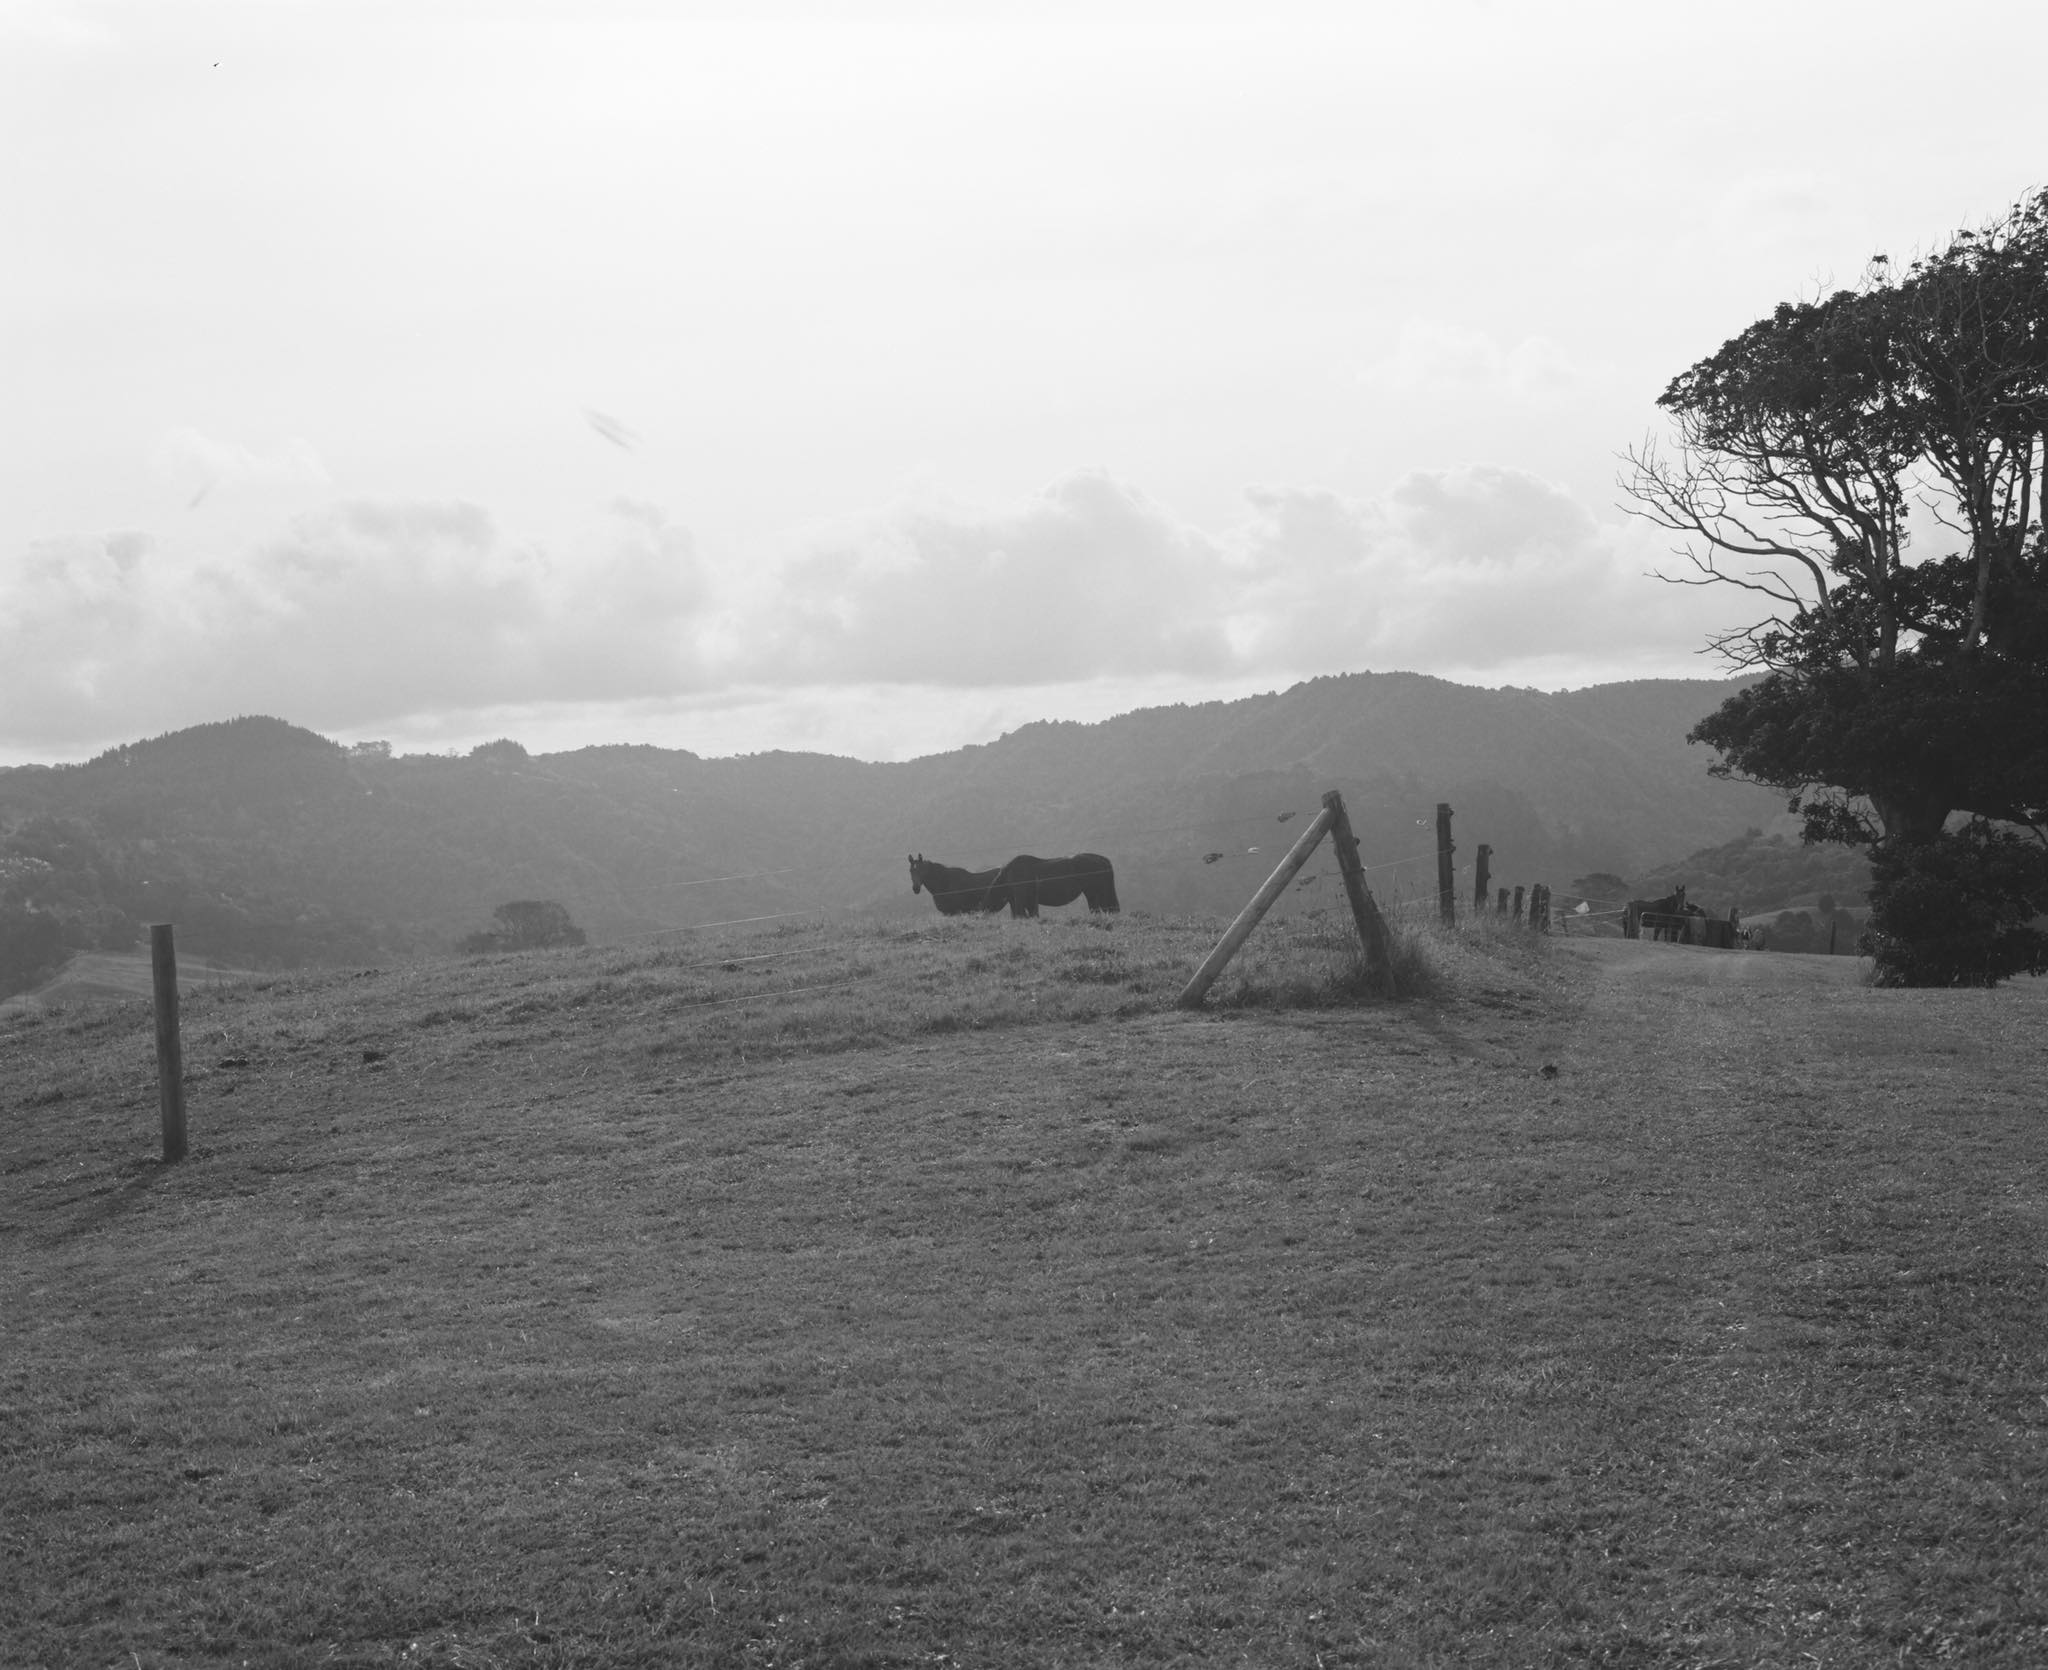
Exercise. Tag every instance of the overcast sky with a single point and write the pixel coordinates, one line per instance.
(877, 377)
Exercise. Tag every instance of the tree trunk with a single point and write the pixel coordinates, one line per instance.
(1911, 817)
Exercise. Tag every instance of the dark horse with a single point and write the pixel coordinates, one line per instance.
(1025, 883)
(955, 892)
(1665, 917)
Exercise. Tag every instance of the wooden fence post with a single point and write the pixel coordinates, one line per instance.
(1518, 905)
(170, 1050)
(1248, 918)
(1484, 877)
(1446, 896)
(1502, 908)
(1372, 927)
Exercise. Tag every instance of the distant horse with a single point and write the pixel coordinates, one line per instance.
(955, 892)
(1665, 917)
(1025, 883)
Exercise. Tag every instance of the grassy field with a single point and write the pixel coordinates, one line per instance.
(1614, 1303)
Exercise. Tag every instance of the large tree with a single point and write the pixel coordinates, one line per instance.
(1898, 692)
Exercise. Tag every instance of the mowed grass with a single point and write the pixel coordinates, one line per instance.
(973, 1307)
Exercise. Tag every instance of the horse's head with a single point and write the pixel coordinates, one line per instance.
(917, 873)
(1680, 897)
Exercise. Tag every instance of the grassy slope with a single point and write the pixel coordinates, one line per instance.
(975, 1308)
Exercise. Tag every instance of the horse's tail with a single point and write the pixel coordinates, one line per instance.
(1108, 884)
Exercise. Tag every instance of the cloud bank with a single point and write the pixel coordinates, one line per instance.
(196, 464)
(1468, 569)
(366, 613)
(359, 612)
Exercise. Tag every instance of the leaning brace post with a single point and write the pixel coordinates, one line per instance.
(170, 1051)
(1485, 875)
(1446, 896)
(1372, 927)
(1248, 918)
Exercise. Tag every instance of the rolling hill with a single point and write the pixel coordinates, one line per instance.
(271, 845)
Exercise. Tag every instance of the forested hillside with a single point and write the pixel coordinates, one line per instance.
(268, 844)
(1759, 872)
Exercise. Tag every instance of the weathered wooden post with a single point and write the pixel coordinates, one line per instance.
(1372, 927)
(1539, 908)
(1485, 875)
(1518, 906)
(1261, 901)
(1502, 908)
(1446, 896)
(170, 1051)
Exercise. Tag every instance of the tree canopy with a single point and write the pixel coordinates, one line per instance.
(1811, 451)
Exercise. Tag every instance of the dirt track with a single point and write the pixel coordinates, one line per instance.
(1653, 963)
(1779, 1037)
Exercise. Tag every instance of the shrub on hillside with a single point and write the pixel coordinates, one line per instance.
(527, 925)
(1958, 910)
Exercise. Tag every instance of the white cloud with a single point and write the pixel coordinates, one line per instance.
(196, 464)
(1437, 362)
(53, 23)
(1472, 568)
(1086, 576)
(355, 614)
(1789, 206)
(1467, 568)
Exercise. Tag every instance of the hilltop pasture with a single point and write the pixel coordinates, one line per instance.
(940, 1296)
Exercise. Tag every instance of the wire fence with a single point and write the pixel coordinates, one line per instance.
(1586, 911)
(1419, 908)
